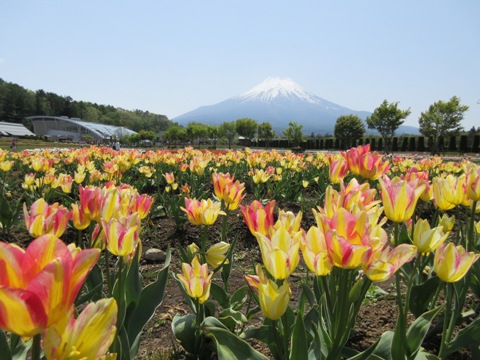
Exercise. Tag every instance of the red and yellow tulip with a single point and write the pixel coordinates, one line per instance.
(258, 218)
(39, 285)
(43, 218)
(196, 280)
(399, 197)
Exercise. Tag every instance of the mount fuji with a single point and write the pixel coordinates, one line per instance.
(278, 101)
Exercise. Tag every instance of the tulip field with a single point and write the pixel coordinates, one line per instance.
(264, 255)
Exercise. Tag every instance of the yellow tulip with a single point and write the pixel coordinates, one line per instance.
(280, 252)
(88, 337)
(215, 255)
(383, 264)
(273, 299)
(315, 252)
(426, 239)
(451, 262)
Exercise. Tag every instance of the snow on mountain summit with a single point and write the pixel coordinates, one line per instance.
(274, 87)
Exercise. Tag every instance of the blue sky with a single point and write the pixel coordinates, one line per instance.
(170, 57)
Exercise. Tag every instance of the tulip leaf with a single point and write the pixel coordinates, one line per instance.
(307, 294)
(21, 350)
(4, 347)
(183, 328)
(219, 294)
(469, 336)
(133, 282)
(288, 320)
(367, 354)
(422, 295)
(239, 297)
(93, 286)
(150, 299)
(383, 348)
(417, 331)
(230, 318)
(298, 349)
(230, 346)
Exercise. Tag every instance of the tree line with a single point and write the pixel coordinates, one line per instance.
(17, 103)
(442, 119)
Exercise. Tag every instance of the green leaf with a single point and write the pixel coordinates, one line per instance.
(469, 336)
(230, 346)
(417, 331)
(308, 294)
(93, 287)
(21, 350)
(133, 282)
(4, 346)
(421, 295)
(384, 346)
(183, 328)
(239, 297)
(150, 299)
(298, 349)
(219, 294)
(230, 318)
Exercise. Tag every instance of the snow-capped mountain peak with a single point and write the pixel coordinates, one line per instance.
(274, 87)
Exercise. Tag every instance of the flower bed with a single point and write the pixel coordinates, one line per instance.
(274, 254)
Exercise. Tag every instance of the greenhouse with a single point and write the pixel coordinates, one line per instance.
(14, 129)
(76, 129)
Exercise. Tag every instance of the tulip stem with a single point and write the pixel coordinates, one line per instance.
(448, 321)
(36, 349)
(402, 314)
(107, 272)
(469, 245)
(224, 225)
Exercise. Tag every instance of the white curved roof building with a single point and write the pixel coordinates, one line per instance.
(75, 129)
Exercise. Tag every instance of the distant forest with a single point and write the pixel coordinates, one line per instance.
(16, 103)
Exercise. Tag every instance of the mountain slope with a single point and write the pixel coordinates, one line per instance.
(277, 101)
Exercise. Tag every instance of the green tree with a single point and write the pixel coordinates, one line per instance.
(247, 128)
(175, 133)
(386, 119)
(228, 130)
(294, 133)
(196, 130)
(442, 119)
(212, 132)
(348, 128)
(266, 132)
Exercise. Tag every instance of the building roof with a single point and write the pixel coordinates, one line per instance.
(14, 129)
(100, 131)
